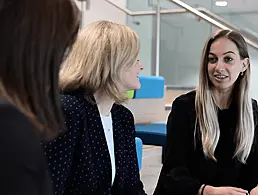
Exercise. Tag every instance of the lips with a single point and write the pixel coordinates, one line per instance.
(220, 76)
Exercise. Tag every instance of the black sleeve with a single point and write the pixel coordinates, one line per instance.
(249, 177)
(23, 168)
(60, 151)
(135, 187)
(175, 177)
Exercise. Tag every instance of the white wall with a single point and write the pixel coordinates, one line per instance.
(102, 10)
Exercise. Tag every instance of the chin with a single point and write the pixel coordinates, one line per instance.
(133, 86)
(223, 87)
(138, 87)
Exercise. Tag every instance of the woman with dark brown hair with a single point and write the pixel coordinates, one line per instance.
(34, 37)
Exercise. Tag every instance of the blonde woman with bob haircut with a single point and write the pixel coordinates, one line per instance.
(212, 132)
(97, 154)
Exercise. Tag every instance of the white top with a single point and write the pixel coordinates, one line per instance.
(108, 129)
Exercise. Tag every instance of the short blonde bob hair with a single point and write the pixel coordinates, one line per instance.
(102, 51)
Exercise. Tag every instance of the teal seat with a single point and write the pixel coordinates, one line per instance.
(151, 87)
(153, 134)
(138, 143)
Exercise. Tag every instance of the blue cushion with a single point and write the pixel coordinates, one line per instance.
(154, 133)
(151, 87)
(138, 143)
(155, 127)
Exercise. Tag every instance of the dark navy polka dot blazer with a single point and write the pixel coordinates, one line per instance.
(79, 159)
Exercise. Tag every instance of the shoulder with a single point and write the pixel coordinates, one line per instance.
(255, 106)
(126, 117)
(124, 111)
(72, 100)
(73, 103)
(255, 110)
(185, 101)
(13, 119)
(19, 138)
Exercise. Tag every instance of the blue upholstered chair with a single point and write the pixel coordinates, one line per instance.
(138, 143)
(152, 87)
(153, 134)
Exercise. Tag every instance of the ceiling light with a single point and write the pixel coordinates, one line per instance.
(221, 3)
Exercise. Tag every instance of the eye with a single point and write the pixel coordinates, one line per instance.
(212, 60)
(228, 59)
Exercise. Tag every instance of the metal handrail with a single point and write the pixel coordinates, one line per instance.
(226, 25)
(145, 13)
(244, 32)
(201, 12)
(218, 18)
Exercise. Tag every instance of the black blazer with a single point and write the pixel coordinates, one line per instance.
(186, 168)
(79, 158)
(23, 168)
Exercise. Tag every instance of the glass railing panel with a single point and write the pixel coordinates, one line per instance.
(145, 27)
(181, 41)
(240, 15)
(247, 22)
(145, 5)
(254, 70)
(182, 37)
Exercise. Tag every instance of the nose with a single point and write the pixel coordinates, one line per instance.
(220, 65)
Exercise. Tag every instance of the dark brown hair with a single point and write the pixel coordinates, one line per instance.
(34, 36)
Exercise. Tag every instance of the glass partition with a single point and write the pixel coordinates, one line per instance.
(145, 27)
(181, 41)
(182, 37)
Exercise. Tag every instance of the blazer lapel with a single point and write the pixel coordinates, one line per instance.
(119, 145)
(98, 146)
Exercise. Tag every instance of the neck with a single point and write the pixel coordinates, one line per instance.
(104, 103)
(223, 98)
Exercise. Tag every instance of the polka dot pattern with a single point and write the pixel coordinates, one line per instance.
(79, 159)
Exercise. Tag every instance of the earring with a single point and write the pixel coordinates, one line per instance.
(242, 73)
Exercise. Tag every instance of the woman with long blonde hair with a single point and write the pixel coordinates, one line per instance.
(97, 154)
(212, 131)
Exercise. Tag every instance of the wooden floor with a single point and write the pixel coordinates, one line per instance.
(151, 167)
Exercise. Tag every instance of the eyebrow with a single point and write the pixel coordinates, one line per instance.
(223, 53)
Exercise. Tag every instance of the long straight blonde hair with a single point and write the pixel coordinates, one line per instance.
(207, 111)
